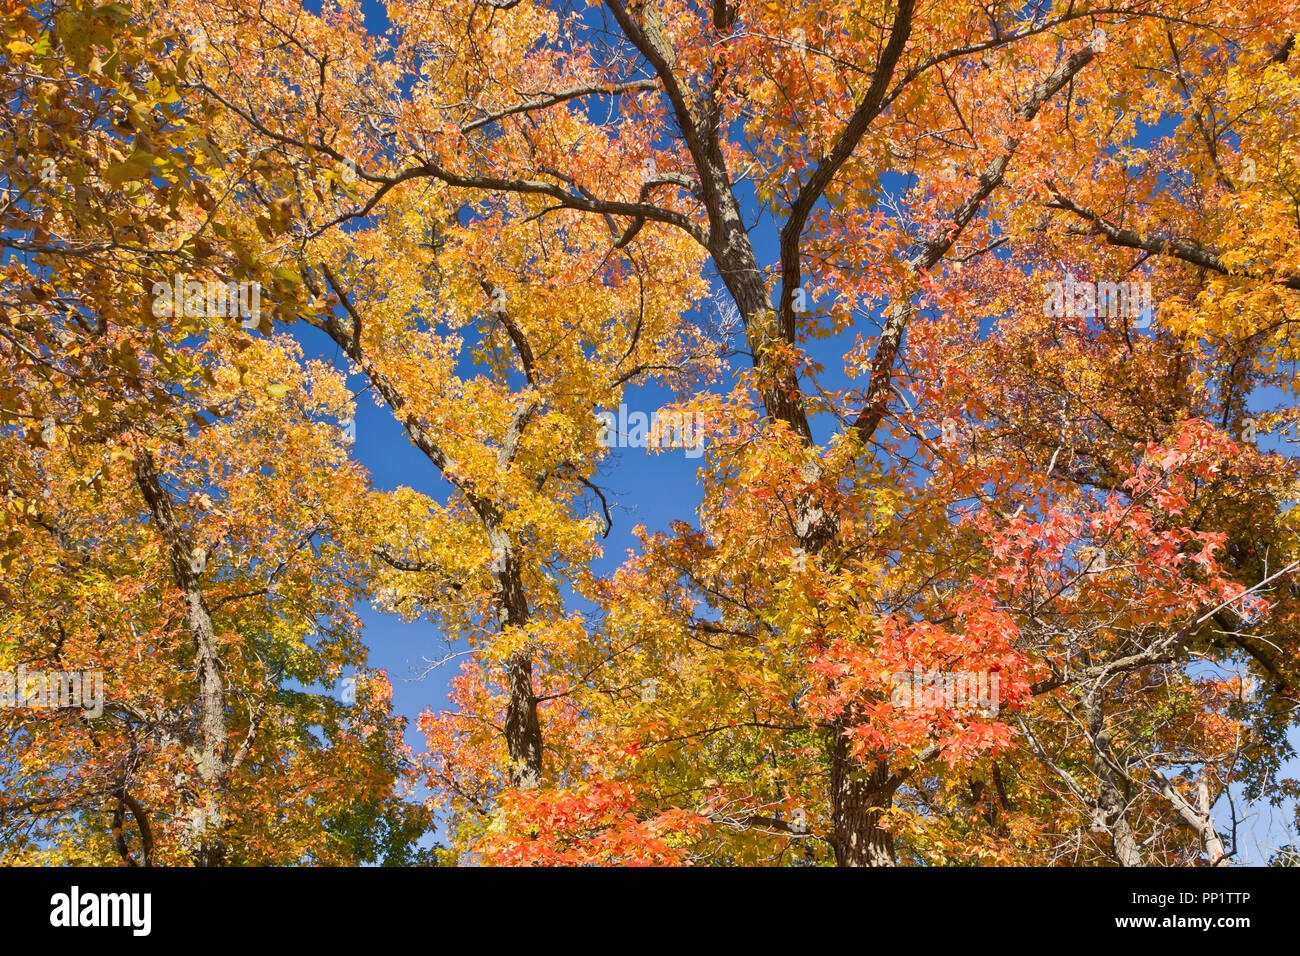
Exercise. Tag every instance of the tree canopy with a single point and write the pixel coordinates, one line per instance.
(974, 320)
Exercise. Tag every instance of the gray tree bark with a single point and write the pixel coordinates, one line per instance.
(213, 760)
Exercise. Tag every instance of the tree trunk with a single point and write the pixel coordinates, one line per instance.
(523, 730)
(213, 764)
(1111, 803)
(859, 798)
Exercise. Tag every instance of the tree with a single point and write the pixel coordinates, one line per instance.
(1013, 284)
(162, 555)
